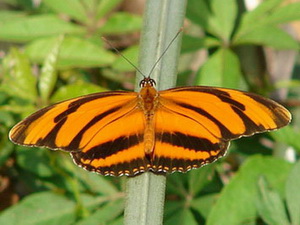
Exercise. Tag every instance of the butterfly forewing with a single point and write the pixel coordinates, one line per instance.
(58, 125)
(192, 126)
(234, 113)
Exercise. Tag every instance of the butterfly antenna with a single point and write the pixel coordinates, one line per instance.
(164, 52)
(124, 57)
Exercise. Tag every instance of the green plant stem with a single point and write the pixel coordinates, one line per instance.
(162, 20)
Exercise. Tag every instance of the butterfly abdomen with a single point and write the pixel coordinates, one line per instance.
(149, 136)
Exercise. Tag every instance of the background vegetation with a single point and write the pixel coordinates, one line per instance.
(52, 50)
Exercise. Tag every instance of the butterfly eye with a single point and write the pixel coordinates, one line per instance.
(153, 83)
(142, 83)
(147, 81)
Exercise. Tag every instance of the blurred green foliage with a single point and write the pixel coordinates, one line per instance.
(53, 51)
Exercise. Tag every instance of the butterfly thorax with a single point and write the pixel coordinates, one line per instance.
(148, 101)
(148, 98)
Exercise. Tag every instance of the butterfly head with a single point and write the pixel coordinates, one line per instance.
(147, 82)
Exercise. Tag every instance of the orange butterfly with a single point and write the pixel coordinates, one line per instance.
(127, 133)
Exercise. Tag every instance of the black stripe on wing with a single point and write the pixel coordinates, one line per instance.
(225, 132)
(112, 147)
(74, 144)
(188, 141)
(280, 115)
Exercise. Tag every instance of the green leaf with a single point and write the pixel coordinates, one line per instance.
(267, 16)
(197, 179)
(26, 5)
(72, 8)
(270, 206)
(96, 183)
(118, 77)
(118, 221)
(7, 149)
(269, 36)
(48, 74)
(74, 52)
(223, 20)
(204, 204)
(33, 27)
(172, 207)
(9, 16)
(288, 135)
(131, 54)
(219, 22)
(191, 43)
(18, 79)
(6, 119)
(285, 14)
(177, 185)
(40, 209)
(292, 193)
(120, 23)
(21, 106)
(222, 69)
(259, 13)
(198, 12)
(104, 214)
(242, 190)
(106, 6)
(188, 218)
(75, 90)
(183, 217)
(34, 160)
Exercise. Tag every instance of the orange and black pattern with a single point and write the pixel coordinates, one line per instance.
(127, 133)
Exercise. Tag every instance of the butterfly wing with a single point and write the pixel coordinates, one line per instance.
(103, 131)
(195, 124)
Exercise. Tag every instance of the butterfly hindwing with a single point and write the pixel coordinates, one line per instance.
(182, 142)
(118, 148)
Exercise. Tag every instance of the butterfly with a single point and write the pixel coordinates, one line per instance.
(126, 133)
